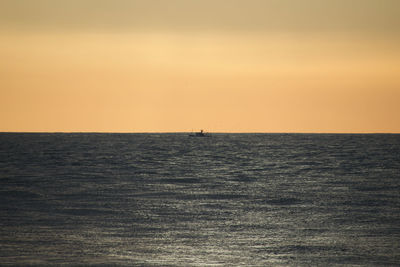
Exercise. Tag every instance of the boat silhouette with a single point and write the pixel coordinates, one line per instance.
(199, 134)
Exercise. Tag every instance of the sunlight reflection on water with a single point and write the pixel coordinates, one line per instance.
(237, 199)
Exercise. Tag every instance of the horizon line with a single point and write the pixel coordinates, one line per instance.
(183, 132)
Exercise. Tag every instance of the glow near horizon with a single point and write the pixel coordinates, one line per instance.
(188, 65)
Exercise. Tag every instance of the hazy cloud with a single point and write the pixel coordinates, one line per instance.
(362, 16)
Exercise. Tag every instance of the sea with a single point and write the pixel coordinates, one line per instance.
(168, 199)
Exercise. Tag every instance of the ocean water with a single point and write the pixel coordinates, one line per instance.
(175, 200)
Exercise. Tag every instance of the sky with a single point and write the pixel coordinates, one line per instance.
(307, 66)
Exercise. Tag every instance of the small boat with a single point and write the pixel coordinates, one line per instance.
(200, 134)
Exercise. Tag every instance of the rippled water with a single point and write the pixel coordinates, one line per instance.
(174, 200)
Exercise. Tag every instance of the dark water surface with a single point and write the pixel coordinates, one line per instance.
(173, 200)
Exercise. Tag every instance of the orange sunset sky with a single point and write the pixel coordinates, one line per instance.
(183, 65)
